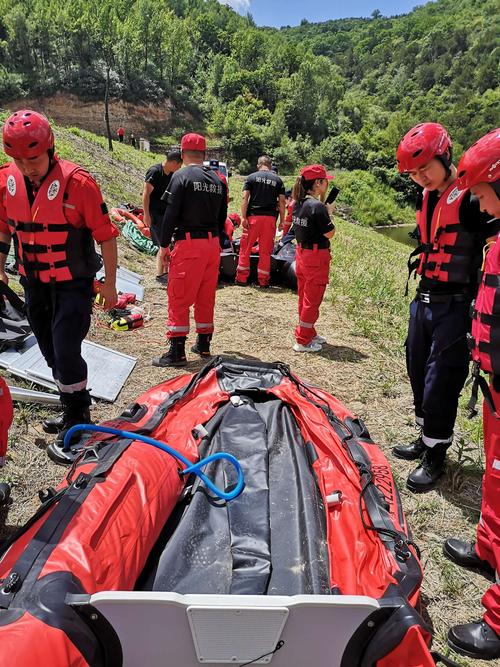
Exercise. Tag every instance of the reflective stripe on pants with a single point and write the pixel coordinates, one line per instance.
(262, 228)
(313, 272)
(59, 315)
(192, 281)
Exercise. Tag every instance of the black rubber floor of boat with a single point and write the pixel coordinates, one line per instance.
(270, 540)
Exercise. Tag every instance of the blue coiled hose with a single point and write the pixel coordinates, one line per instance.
(190, 468)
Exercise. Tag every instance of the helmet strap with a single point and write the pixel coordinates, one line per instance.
(445, 160)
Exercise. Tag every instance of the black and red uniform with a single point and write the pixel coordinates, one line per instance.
(485, 346)
(265, 188)
(54, 229)
(194, 218)
(452, 234)
(311, 221)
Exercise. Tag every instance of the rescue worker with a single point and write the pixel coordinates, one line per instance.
(263, 195)
(233, 221)
(287, 232)
(194, 218)
(313, 230)
(54, 211)
(156, 182)
(452, 234)
(479, 170)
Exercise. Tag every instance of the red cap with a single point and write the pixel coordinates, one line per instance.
(193, 142)
(313, 171)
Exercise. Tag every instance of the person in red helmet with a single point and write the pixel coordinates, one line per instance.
(54, 211)
(452, 233)
(479, 170)
(313, 230)
(194, 219)
(263, 196)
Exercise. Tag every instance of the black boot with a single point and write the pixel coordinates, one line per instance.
(476, 640)
(53, 425)
(202, 345)
(176, 355)
(415, 450)
(55, 450)
(425, 477)
(465, 555)
(76, 403)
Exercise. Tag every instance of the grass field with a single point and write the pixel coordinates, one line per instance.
(364, 317)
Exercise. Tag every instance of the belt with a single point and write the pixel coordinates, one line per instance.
(306, 245)
(425, 297)
(181, 236)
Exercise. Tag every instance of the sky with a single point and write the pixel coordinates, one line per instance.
(291, 12)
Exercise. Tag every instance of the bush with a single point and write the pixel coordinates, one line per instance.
(372, 203)
(342, 152)
(244, 167)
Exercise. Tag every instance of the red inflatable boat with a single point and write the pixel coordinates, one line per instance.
(131, 563)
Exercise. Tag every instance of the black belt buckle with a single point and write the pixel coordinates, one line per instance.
(424, 297)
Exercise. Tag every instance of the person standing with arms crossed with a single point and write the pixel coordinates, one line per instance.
(156, 182)
(194, 218)
(479, 170)
(54, 211)
(263, 197)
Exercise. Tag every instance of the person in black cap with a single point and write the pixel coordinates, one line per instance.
(194, 218)
(156, 182)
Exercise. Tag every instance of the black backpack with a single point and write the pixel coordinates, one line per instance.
(14, 326)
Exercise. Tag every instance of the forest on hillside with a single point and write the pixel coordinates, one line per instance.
(340, 92)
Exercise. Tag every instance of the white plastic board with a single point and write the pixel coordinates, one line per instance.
(171, 630)
(108, 369)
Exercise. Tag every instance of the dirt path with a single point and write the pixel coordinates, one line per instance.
(256, 324)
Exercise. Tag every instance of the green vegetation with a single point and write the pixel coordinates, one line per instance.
(342, 91)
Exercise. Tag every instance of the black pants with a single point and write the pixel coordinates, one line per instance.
(156, 221)
(59, 314)
(437, 359)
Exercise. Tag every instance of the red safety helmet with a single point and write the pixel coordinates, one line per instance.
(235, 219)
(481, 162)
(27, 134)
(421, 144)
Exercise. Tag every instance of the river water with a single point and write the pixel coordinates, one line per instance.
(399, 233)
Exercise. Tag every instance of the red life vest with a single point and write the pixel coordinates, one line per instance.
(48, 247)
(447, 254)
(485, 338)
